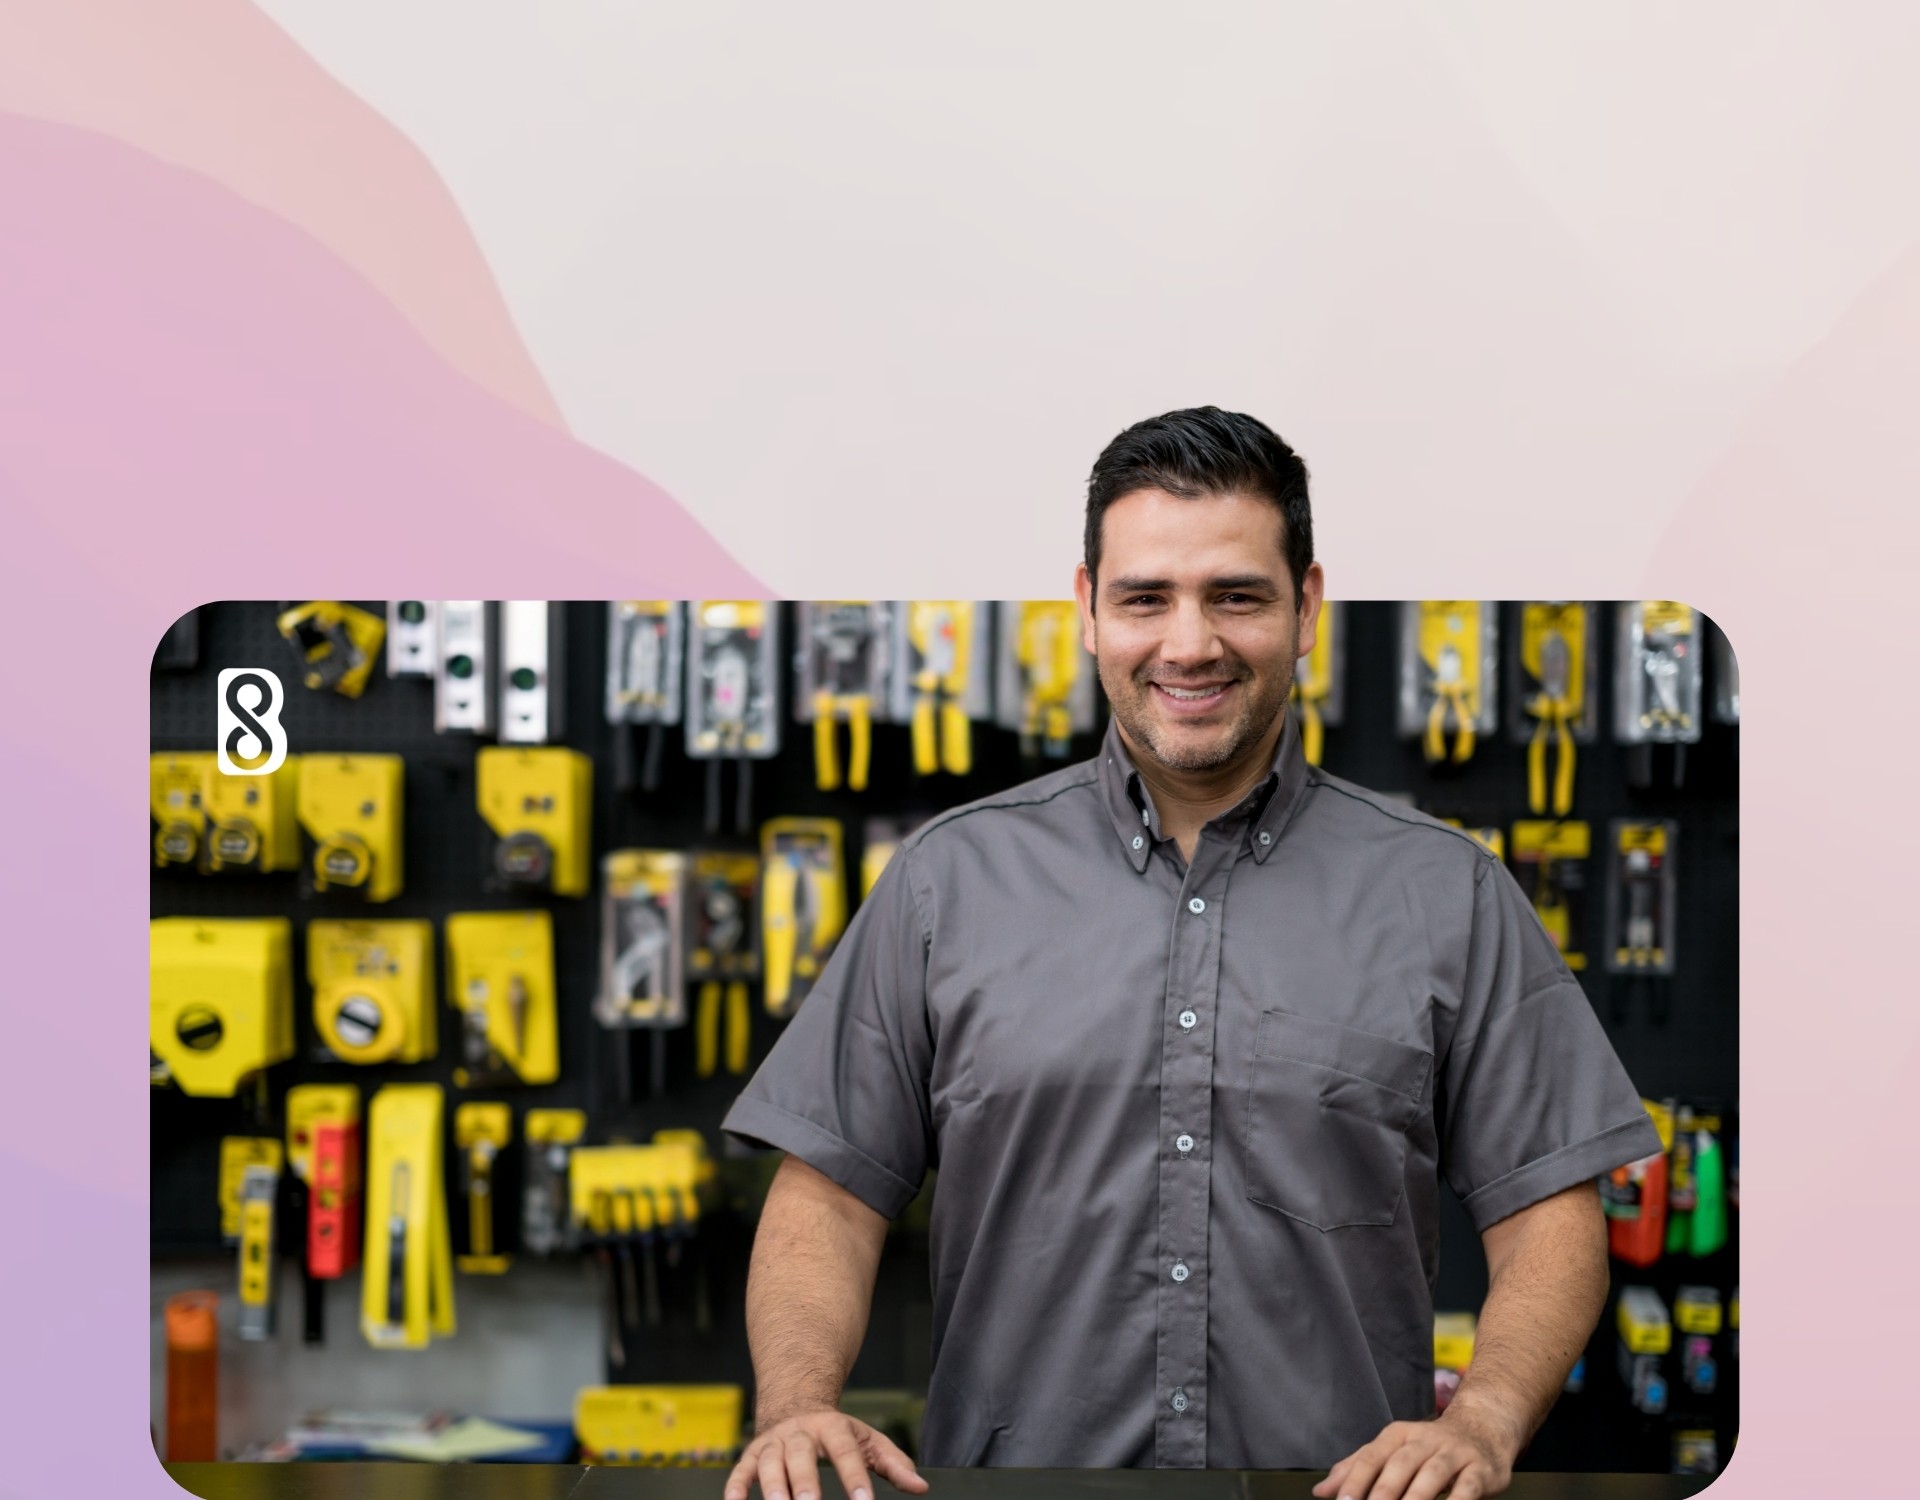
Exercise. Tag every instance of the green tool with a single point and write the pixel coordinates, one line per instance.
(1709, 1228)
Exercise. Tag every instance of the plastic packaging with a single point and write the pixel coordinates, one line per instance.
(732, 707)
(1449, 653)
(1319, 678)
(1657, 660)
(1044, 688)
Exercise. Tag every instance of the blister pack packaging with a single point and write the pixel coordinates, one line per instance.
(1449, 650)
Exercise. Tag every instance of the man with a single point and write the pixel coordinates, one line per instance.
(1190, 1031)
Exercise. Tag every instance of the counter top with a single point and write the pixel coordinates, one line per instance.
(405, 1481)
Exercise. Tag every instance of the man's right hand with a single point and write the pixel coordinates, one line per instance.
(785, 1459)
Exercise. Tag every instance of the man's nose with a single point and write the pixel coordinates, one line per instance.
(1190, 639)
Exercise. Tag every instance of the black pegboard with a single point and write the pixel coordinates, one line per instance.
(1692, 1054)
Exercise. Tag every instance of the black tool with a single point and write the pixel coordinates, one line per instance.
(397, 1248)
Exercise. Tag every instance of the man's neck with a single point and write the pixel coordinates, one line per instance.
(1188, 800)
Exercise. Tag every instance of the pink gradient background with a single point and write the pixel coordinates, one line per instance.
(247, 325)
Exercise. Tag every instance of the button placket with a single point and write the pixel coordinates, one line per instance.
(1186, 1094)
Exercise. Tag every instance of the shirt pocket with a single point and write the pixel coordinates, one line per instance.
(1328, 1113)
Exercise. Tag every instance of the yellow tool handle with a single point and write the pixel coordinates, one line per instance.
(1066, 653)
(830, 910)
(706, 1033)
(480, 1203)
(1563, 773)
(1537, 767)
(778, 895)
(957, 740)
(1460, 700)
(1554, 919)
(1435, 741)
(739, 1027)
(256, 1252)
(860, 732)
(826, 766)
(1312, 730)
(1464, 710)
(925, 756)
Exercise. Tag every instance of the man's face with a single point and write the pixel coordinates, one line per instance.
(1195, 627)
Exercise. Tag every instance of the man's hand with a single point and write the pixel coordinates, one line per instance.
(1546, 1284)
(785, 1459)
(1457, 1452)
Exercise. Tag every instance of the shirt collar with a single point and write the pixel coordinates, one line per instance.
(1267, 809)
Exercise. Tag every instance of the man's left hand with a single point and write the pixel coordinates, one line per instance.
(1458, 1453)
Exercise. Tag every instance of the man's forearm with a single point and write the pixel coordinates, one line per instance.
(809, 1291)
(1548, 1283)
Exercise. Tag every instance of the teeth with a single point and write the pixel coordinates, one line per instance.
(1188, 692)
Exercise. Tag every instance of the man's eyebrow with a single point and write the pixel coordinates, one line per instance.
(1242, 581)
(1132, 585)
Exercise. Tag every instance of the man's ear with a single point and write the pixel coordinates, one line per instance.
(1083, 596)
(1313, 593)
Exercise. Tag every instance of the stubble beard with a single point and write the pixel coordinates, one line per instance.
(1132, 706)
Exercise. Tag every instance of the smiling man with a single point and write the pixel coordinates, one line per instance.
(1192, 1032)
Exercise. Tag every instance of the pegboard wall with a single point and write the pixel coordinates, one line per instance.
(1689, 1051)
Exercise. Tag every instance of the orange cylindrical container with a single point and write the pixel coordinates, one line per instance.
(1639, 1240)
(193, 1385)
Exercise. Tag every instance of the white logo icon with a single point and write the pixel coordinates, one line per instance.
(252, 742)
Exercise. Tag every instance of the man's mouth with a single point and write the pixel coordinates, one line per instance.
(1190, 700)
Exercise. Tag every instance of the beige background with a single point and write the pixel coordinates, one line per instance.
(1514, 275)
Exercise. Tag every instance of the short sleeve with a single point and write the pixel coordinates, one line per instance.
(845, 1088)
(1534, 1098)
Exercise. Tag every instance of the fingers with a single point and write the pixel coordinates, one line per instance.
(843, 1448)
(1406, 1461)
(1330, 1486)
(1364, 1466)
(1416, 1461)
(740, 1481)
(1437, 1473)
(1470, 1486)
(803, 1468)
(785, 1460)
(893, 1465)
(773, 1471)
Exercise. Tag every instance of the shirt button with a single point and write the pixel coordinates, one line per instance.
(1180, 1271)
(1265, 837)
(1138, 841)
(1188, 1020)
(1196, 906)
(1183, 1144)
(1178, 1401)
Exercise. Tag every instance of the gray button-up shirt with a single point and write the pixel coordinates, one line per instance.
(1190, 1120)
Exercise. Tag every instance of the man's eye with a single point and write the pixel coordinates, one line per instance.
(1143, 599)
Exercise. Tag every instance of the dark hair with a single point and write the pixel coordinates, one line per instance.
(1205, 451)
